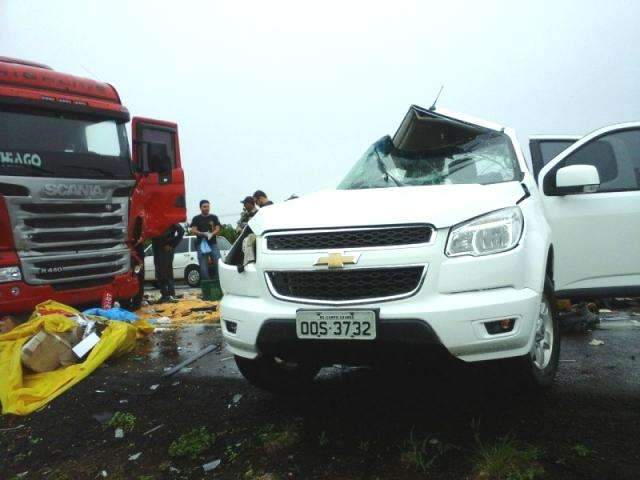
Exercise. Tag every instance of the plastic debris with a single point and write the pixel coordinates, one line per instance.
(12, 428)
(119, 433)
(102, 474)
(154, 387)
(190, 360)
(135, 456)
(153, 430)
(207, 467)
(102, 417)
(237, 397)
(162, 320)
(113, 314)
(596, 343)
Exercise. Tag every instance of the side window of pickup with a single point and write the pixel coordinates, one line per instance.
(615, 155)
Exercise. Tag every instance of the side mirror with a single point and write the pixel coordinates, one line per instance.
(576, 179)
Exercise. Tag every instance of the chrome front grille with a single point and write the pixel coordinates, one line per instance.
(350, 238)
(63, 239)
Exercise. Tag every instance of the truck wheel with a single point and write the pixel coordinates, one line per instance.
(192, 275)
(277, 376)
(538, 368)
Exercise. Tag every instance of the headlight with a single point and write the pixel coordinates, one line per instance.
(495, 232)
(10, 274)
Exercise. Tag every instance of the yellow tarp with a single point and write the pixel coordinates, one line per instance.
(22, 392)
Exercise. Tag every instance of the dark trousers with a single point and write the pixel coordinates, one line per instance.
(163, 260)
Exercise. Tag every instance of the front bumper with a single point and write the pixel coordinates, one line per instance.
(453, 321)
(20, 297)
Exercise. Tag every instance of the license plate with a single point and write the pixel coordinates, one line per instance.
(336, 325)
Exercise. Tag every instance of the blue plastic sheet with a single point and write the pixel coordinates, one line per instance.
(113, 314)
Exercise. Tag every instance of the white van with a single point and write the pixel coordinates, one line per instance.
(437, 238)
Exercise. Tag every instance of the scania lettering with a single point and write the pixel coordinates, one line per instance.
(439, 238)
(76, 204)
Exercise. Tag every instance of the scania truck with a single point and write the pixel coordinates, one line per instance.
(76, 203)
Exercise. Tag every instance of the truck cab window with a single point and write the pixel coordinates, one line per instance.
(157, 136)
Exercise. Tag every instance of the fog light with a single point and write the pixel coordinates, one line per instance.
(15, 291)
(231, 326)
(500, 326)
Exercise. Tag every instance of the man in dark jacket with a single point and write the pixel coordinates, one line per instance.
(163, 248)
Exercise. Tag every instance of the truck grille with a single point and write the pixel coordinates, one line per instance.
(64, 241)
(346, 285)
(351, 238)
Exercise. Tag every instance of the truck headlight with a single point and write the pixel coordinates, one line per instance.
(10, 274)
(494, 232)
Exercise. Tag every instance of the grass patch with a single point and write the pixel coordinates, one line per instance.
(276, 441)
(422, 454)
(323, 439)
(125, 421)
(192, 444)
(582, 450)
(507, 459)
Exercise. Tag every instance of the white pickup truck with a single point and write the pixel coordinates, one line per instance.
(438, 238)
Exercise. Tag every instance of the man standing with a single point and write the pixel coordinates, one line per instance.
(163, 248)
(248, 212)
(205, 227)
(261, 199)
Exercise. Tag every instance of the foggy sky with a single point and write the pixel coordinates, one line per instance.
(286, 95)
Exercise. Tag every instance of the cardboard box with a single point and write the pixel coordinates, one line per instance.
(49, 351)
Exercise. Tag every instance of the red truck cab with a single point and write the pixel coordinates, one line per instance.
(75, 202)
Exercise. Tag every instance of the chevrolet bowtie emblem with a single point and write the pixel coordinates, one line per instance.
(337, 260)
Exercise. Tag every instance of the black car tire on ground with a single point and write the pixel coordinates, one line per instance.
(192, 275)
(278, 377)
(526, 373)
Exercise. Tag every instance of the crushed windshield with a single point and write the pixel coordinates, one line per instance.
(40, 143)
(482, 158)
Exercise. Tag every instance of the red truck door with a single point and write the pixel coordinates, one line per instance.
(158, 199)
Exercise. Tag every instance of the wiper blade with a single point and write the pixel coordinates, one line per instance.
(385, 172)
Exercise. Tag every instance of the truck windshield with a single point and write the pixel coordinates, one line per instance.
(39, 143)
(484, 158)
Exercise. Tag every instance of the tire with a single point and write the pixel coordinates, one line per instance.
(192, 275)
(276, 376)
(538, 368)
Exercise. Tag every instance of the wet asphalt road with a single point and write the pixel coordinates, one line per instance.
(612, 367)
(355, 424)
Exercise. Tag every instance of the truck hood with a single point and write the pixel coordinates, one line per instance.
(439, 205)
